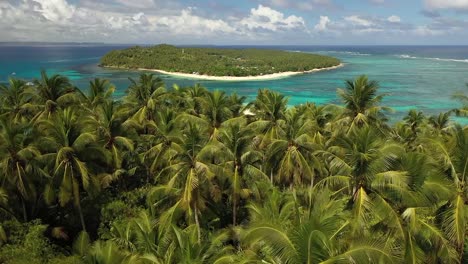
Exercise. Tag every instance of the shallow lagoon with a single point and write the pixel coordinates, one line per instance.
(412, 76)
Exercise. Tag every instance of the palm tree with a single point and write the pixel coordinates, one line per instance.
(216, 109)
(68, 149)
(414, 119)
(361, 164)
(195, 95)
(440, 122)
(239, 162)
(54, 92)
(463, 98)
(100, 92)
(190, 173)
(318, 237)
(143, 96)
(18, 163)
(16, 101)
(453, 156)
(107, 253)
(109, 129)
(236, 104)
(270, 110)
(212, 250)
(362, 101)
(164, 143)
(291, 158)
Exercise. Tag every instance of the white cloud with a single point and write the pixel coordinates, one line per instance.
(394, 19)
(447, 4)
(156, 21)
(55, 10)
(264, 17)
(58, 20)
(190, 24)
(323, 23)
(358, 21)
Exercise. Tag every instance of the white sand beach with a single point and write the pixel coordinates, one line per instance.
(243, 78)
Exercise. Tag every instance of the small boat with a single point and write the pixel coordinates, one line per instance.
(13, 73)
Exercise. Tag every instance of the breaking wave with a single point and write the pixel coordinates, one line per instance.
(406, 56)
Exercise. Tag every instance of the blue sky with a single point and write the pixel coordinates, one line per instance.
(261, 22)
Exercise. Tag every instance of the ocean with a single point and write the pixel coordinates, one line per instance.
(413, 77)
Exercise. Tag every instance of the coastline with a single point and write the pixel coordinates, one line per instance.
(272, 76)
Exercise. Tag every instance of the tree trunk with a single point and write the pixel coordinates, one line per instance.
(197, 223)
(234, 211)
(312, 181)
(25, 213)
(80, 212)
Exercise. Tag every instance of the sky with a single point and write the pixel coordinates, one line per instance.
(237, 22)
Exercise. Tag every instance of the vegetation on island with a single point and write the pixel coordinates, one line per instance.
(187, 175)
(216, 61)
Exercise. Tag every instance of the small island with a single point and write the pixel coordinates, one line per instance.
(217, 63)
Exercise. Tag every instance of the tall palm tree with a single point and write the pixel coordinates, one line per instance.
(164, 143)
(195, 95)
(68, 149)
(453, 156)
(114, 137)
(216, 109)
(19, 168)
(143, 96)
(362, 102)
(362, 163)
(270, 110)
(236, 104)
(190, 174)
(291, 157)
(239, 162)
(440, 122)
(54, 92)
(16, 101)
(414, 119)
(100, 92)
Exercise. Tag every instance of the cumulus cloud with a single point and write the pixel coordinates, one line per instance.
(156, 21)
(190, 24)
(59, 20)
(323, 23)
(266, 18)
(55, 10)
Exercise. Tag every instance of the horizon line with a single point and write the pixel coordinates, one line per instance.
(215, 45)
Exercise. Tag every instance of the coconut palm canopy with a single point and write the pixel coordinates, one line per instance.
(187, 175)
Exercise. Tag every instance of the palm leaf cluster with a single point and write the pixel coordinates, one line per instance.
(187, 175)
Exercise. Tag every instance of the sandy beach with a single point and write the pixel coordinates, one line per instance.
(243, 78)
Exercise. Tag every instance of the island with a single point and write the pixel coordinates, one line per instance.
(218, 63)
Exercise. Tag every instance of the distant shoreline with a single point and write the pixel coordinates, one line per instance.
(272, 76)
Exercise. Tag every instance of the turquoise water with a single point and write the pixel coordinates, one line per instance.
(413, 77)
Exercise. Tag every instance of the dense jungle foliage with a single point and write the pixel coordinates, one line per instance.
(215, 62)
(187, 175)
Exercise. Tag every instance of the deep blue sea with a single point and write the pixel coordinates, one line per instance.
(422, 77)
